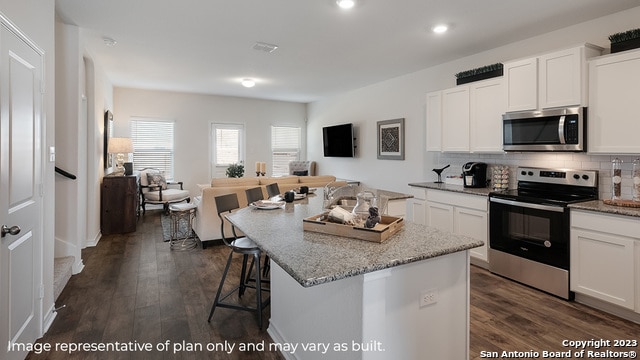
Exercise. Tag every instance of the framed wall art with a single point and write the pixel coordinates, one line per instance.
(108, 133)
(391, 139)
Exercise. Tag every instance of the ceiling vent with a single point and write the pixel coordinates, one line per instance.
(261, 46)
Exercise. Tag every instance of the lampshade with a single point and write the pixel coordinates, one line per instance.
(120, 146)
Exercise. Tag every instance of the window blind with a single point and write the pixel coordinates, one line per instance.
(285, 147)
(153, 145)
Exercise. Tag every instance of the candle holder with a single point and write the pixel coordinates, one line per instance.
(263, 173)
(258, 173)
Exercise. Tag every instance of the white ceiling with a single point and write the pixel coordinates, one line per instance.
(206, 46)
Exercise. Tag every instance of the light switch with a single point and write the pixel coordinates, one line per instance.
(52, 154)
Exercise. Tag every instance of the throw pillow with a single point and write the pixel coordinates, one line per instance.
(301, 173)
(157, 180)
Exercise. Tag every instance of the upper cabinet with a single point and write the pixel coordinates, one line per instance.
(522, 84)
(466, 118)
(455, 119)
(614, 113)
(552, 80)
(487, 106)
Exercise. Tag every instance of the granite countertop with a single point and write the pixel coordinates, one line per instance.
(315, 258)
(599, 206)
(453, 188)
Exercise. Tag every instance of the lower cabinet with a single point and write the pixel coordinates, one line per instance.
(460, 214)
(118, 204)
(416, 206)
(605, 260)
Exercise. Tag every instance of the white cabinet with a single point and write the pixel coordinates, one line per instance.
(455, 119)
(522, 84)
(604, 257)
(416, 206)
(614, 114)
(434, 121)
(460, 214)
(487, 106)
(466, 118)
(561, 75)
(551, 80)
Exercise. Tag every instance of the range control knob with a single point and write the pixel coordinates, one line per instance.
(576, 176)
(530, 173)
(523, 172)
(585, 177)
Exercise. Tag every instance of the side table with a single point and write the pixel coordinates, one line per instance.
(182, 217)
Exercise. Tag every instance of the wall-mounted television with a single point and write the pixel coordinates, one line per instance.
(338, 141)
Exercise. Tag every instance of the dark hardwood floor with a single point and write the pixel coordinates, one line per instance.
(134, 289)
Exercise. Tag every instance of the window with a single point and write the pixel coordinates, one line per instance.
(228, 146)
(153, 145)
(285, 147)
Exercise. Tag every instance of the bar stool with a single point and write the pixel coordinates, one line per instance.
(253, 195)
(246, 247)
(182, 217)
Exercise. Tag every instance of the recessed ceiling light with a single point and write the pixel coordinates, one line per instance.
(248, 83)
(109, 41)
(439, 29)
(262, 46)
(346, 4)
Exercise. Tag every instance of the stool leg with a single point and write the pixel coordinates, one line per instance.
(258, 289)
(224, 276)
(243, 275)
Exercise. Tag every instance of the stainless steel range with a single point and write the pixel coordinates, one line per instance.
(529, 226)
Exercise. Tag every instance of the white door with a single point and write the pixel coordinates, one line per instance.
(20, 200)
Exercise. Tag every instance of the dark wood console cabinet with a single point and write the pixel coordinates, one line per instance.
(119, 204)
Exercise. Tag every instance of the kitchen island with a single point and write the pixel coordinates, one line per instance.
(344, 298)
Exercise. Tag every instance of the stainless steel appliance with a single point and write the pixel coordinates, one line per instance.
(474, 175)
(529, 226)
(547, 130)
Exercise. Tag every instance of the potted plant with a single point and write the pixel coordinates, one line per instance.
(481, 73)
(235, 170)
(625, 40)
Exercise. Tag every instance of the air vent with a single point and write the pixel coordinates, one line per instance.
(261, 46)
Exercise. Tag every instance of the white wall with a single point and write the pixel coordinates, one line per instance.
(193, 115)
(36, 19)
(405, 97)
(82, 95)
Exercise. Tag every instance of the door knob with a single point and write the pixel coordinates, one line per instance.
(14, 230)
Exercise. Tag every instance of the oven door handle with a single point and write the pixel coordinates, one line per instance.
(528, 205)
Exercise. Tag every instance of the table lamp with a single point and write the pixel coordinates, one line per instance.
(120, 147)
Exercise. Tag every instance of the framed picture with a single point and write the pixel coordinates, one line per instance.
(391, 139)
(108, 133)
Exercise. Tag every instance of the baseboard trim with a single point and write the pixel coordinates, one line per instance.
(48, 319)
(608, 308)
(276, 336)
(93, 242)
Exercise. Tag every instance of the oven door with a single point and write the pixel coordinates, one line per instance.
(533, 231)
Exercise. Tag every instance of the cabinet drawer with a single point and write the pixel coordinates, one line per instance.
(418, 192)
(615, 224)
(458, 199)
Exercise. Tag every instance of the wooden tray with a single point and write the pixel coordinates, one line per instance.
(388, 226)
(624, 203)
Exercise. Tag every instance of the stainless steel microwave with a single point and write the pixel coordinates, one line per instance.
(547, 130)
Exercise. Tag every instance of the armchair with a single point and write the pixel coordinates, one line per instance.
(154, 189)
(302, 168)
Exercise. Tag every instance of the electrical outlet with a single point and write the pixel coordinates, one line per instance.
(428, 297)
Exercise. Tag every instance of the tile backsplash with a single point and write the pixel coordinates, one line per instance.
(602, 163)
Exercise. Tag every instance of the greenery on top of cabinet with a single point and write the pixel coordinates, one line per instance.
(480, 70)
(624, 36)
